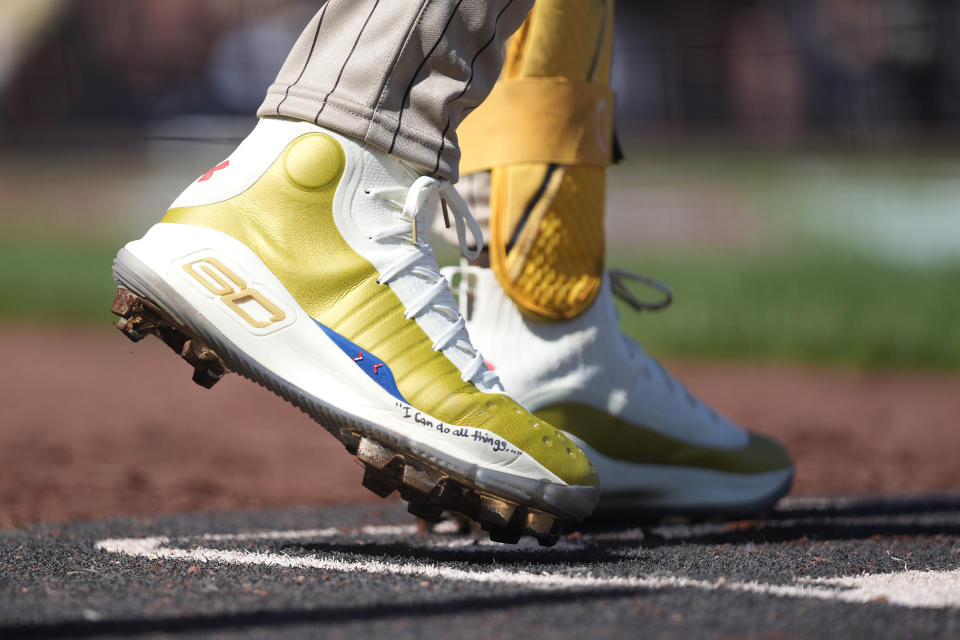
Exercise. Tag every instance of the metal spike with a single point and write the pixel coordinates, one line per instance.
(538, 523)
(496, 511)
(378, 482)
(206, 378)
(126, 325)
(374, 454)
(123, 302)
(425, 510)
(505, 535)
(423, 479)
(548, 541)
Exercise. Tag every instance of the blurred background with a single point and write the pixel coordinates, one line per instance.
(791, 171)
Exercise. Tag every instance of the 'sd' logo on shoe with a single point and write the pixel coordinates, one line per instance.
(244, 301)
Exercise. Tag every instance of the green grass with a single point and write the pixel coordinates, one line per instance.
(866, 276)
(825, 307)
(56, 282)
(815, 307)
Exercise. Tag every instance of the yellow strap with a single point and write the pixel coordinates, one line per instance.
(522, 121)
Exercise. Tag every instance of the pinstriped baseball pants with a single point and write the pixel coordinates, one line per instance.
(399, 75)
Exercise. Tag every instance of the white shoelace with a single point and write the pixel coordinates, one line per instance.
(411, 202)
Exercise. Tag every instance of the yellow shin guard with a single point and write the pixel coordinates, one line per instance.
(546, 134)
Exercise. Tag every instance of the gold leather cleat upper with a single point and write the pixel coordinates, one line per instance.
(620, 439)
(286, 218)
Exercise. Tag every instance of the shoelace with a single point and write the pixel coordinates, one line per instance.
(619, 287)
(414, 201)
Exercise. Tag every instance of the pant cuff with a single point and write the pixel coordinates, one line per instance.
(366, 125)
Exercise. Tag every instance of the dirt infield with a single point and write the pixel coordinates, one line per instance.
(93, 425)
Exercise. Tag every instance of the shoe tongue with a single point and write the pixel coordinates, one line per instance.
(382, 171)
(390, 170)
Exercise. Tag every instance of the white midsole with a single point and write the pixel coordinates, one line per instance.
(677, 487)
(299, 354)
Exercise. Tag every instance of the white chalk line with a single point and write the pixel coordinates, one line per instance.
(301, 534)
(917, 589)
(675, 532)
(445, 529)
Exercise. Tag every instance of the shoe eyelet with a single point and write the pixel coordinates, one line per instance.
(570, 452)
(547, 441)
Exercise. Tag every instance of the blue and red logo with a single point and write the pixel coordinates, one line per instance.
(374, 367)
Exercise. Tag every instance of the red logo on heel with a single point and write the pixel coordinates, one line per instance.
(209, 174)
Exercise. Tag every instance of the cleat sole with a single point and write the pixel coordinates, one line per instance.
(429, 489)
(140, 317)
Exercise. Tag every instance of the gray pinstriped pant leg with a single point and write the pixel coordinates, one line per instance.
(399, 75)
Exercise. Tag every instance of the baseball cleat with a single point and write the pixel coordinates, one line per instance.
(297, 263)
(657, 448)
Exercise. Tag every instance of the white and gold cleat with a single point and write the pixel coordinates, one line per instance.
(297, 263)
(657, 448)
